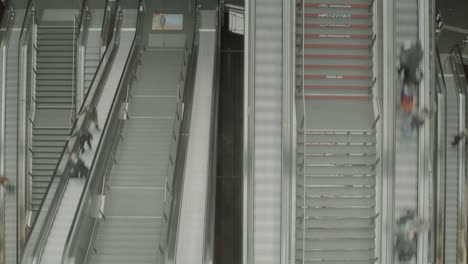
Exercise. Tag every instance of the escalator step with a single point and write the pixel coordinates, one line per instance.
(323, 5)
(336, 15)
(315, 25)
(342, 36)
(337, 46)
(338, 97)
(355, 87)
(323, 66)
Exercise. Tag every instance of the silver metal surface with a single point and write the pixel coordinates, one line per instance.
(190, 245)
(440, 190)
(425, 161)
(388, 132)
(6, 25)
(288, 132)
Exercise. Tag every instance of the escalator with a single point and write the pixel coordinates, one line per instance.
(406, 148)
(136, 188)
(338, 171)
(54, 219)
(453, 229)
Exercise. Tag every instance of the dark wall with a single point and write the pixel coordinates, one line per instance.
(228, 225)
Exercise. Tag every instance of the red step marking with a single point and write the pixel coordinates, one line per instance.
(328, 15)
(334, 56)
(353, 36)
(337, 77)
(337, 46)
(354, 87)
(319, 66)
(345, 97)
(337, 5)
(337, 25)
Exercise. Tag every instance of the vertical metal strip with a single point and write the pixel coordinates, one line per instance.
(248, 129)
(286, 147)
(388, 135)
(424, 189)
(305, 135)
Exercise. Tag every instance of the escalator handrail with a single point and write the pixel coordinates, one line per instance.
(439, 151)
(68, 253)
(5, 30)
(72, 145)
(443, 87)
(457, 64)
(83, 28)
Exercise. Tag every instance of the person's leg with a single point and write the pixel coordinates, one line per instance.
(88, 141)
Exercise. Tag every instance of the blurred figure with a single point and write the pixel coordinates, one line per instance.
(408, 228)
(90, 113)
(462, 135)
(78, 169)
(410, 57)
(415, 121)
(83, 137)
(418, 118)
(407, 99)
(9, 186)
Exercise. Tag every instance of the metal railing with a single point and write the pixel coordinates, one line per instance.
(26, 112)
(110, 11)
(439, 177)
(462, 218)
(169, 208)
(301, 123)
(5, 30)
(62, 173)
(80, 49)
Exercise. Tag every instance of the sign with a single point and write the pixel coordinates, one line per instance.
(168, 21)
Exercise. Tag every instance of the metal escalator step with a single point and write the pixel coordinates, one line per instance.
(338, 77)
(338, 244)
(338, 36)
(341, 87)
(330, 136)
(335, 15)
(340, 160)
(122, 259)
(332, 25)
(336, 56)
(357, 233)
(325, 191)
(365, 256)
(335, 223)
(338, 97)
(55, 137)
(308, 261)
(334, 202)
(43, 167)
(51, 130)
(336, 30)
(341, 82)
(336, 5)
(55, 106)
(336, 46)
(325, 66)
(42, 173)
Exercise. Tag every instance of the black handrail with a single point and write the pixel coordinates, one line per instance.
(441, 73)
